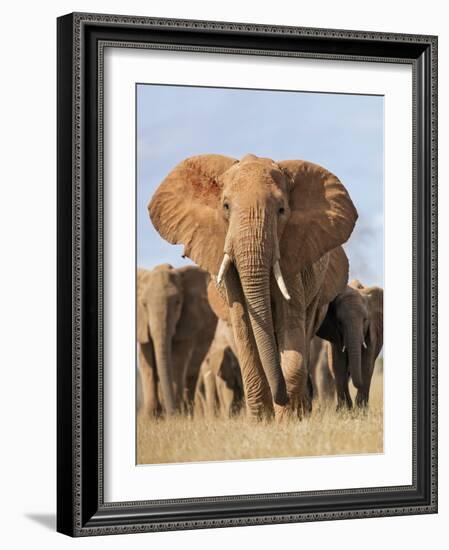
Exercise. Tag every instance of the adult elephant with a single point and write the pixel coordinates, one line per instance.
(354, 326)
(219, 389)
(175, 326)
(321, 376)
(269, 234)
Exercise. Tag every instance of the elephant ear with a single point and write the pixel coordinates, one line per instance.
(336, 276)
(322, 214)
(196, 314)
(143, 330)
(218, 303)
(334, 284)
(356, 284)
(184, 209)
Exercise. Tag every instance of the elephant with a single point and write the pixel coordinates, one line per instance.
(175, 326)
(354, 327)
(323, 382)
(219, 389)
(269, 233)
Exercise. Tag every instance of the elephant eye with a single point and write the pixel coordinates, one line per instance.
(281, 210)
(226, 205)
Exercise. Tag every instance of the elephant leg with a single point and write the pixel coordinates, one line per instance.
(199, 407)
(225, 397)
(327, 384)
(362, 396)
(344, 399)
(338, 366)
(205, 399)
(323, 382)
(217, 358)
(181, 355)
(294, 367)
(259, 403)
(313, 372)
(193, 368)
(210, 392)
(148, 378)
(326, 380)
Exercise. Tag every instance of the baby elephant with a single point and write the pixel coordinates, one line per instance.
(354, 327)
(219, 389)
(175, 326)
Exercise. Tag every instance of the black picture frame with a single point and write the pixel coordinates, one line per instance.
(81, 509)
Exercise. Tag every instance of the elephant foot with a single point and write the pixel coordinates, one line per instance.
(297, 408)
(259, 409)
(186, 409)
(148, 413)
(361, 400)
(297, 412)
(306, 405)
(282, 413)
(344, 405)
(260, 415)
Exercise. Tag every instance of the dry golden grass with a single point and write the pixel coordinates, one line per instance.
(324, 432)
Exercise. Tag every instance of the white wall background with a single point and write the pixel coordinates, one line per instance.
(28, 267)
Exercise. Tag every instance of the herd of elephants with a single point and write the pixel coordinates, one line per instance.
(265, 323)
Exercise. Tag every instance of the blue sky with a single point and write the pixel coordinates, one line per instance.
(343, 133)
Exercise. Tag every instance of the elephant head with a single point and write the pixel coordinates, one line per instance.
(259, 219)
(373, 334)
(159, 304)
(354, 323)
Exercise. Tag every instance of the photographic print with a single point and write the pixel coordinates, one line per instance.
(260, 273)
(232, 201)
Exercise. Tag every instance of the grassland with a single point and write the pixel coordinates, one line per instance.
(324, 432)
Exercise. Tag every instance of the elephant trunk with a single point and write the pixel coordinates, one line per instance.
(162, 352)
(354, 351)
(254, 261)
(256, 290)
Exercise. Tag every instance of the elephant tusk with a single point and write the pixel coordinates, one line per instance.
(223, 268)
(280, 280)
(364, 345)
(343, 349)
